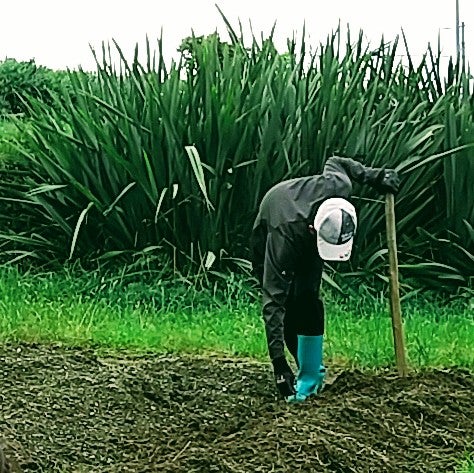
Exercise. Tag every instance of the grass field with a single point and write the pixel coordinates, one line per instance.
(156, 316)
(142, 331)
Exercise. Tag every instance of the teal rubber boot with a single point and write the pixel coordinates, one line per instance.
(310, 379)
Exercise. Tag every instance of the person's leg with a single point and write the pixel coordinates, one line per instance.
(308, 308)
(290, 325)
(310, 330)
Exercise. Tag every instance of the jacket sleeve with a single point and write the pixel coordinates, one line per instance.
(355, 170)
(277, 278)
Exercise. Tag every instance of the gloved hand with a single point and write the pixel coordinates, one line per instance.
(387, 181)
(284, 377)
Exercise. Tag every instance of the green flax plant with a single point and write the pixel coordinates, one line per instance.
(173, 160)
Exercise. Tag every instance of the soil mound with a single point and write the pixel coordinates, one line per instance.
(70, 410)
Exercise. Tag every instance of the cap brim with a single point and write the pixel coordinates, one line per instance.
(329, 252)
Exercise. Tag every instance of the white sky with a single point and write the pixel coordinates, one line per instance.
(57, 33)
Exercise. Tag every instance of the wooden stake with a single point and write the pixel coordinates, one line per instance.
(395, 309)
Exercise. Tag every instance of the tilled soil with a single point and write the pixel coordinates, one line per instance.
(72, 410)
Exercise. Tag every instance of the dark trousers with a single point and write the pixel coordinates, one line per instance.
(304, 310)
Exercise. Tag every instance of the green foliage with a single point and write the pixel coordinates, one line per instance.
(13, 178)
(467, 466)
(171, 163)
(22, 80)
(8, 134)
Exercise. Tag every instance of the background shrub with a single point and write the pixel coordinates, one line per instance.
(171, 162)
(21, 80)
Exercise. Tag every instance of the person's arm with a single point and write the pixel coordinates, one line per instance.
(277, 279)
(384, 180)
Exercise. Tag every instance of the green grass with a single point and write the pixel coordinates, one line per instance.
(123, 312)
(467, 466)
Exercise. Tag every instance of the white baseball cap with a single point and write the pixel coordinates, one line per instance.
(335, 224)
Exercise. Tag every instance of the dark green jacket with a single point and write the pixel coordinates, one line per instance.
(281, 242)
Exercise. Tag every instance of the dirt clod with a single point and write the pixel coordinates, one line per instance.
(71, 410)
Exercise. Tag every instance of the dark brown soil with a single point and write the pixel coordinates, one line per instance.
(71, 410)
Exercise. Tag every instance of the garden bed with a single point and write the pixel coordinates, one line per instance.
(77, 410)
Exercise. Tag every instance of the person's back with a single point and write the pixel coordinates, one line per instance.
(296, 200)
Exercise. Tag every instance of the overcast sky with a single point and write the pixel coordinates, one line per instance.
(57, 33)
